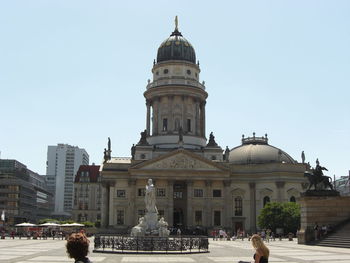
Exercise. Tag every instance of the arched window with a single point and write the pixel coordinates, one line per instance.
(292, 199)
(266, 200)
(238, 206)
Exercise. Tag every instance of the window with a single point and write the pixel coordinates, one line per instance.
(120, 217)
(189, 72)
(292, 199)
(188, 125)
(177, 195)
(141, 192)
(165, 124)
(166, 71)
(238, 206)
(198, 192)
(121, 193)
(266, 200)
(217, 218)
(213, 157)
(142, 156)
(177, 124)
(216, 193)
(198, 218)
(161, 192)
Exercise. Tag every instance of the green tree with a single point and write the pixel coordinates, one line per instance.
(280, 215)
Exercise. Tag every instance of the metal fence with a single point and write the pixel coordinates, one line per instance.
(172, 244)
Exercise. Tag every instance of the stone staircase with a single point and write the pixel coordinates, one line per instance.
(339, 238)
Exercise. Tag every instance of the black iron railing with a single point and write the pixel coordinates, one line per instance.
(172, 244)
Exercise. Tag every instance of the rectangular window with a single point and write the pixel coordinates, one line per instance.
(216, 193)
(121, 193)
(198, 218)
(217, 218)
(161, 192)
(177, 195)
(120, 217)
(165, 124)
(188, 125)
(238, 206)
(198, 192)
(141, 192)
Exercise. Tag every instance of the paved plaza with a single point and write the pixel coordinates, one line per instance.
(53, 251)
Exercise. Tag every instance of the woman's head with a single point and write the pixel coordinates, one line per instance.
(258, 244)
(77, 246)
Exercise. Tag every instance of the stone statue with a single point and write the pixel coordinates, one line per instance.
(140, 229)
(133, 150)
(105, 156)
(143, 139)
(303, 157)
(150, 197)
(163, 228)
(109, 145)
(181, 134)
(227, 153)
(319, 169)
(212, 141)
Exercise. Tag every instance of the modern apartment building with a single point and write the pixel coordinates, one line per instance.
(23, 193)
(63, 162)
(87, 194)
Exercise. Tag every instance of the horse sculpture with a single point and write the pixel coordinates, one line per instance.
(315, 179)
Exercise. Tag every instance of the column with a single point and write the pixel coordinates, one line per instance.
(111, 205)
(104, 205)
(227, 206)
(148, 120)
(155, 116)
(208, 205)
(252, 207)
(197, 119)
(203, 118)
(131, 219)
(184, 113)
(280, 191)
(190, 203)
(170, 197)
(171, 124)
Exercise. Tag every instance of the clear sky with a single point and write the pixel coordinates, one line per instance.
(75, 72)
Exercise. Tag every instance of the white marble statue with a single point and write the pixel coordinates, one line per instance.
(163, 228)
(140, 229)
(150, 197)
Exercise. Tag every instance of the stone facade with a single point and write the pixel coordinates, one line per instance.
(197, 182)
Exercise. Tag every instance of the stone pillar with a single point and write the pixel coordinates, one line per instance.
(208, 204)
(111, 205)
(189, 203)
(132, 219)
(105, 205)
(184, 113)
(148, 120)
(171, 124)
(280, 191)
(252, 207)
(170, 209)
(197, 118)
(227, 206)
(203, 118)
(155, 106)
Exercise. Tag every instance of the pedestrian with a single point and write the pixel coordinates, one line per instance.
(261, 251)
(78, 247)
(316, 229)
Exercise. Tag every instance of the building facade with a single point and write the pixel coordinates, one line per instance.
(87, 194)
(197, 182)
(23, 194)
(63, 162)
(342, 185)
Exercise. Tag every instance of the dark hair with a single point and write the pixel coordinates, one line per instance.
(77, 246)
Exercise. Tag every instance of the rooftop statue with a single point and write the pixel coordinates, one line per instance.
(316, 177)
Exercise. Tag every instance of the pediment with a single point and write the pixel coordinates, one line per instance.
(180, 160)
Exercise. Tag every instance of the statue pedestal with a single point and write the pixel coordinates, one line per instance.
(320, 193)
(151, 221)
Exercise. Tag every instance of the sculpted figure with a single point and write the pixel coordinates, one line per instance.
(163, 228)
(139, 230)
(150, 197)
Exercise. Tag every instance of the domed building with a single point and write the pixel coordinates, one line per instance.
(198, 184)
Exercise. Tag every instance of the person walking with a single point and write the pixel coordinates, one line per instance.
(78, 247)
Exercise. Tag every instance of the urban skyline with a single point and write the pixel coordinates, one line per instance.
(279, 68)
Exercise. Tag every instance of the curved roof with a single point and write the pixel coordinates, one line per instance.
(176, 47)
(256, 150)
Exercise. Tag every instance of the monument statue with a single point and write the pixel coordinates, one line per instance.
(150, 197)
(181, 134)
(302, 157)
(149, 224)
(317, 178)
(133, 150)
(212, 141)
(143, 139)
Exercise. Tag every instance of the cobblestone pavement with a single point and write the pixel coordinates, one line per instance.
(53, 251)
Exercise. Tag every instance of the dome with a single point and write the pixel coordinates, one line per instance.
(176, 47)
(256, 150)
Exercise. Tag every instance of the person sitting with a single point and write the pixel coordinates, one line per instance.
(261, 251)
(78, 247)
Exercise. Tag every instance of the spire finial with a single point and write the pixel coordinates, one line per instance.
(176, 24)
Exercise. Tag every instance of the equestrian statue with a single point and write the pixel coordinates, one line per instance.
(316, 177)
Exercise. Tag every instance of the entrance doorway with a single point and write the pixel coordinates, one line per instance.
(180, 204)
(238, 227)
